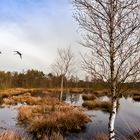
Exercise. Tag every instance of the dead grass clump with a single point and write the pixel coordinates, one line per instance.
(100, 93)
(76, 90)
(10, 135)
(101, 137)
(8, 101)
(30, 100)
(25, 112)
(49, 101)
(136, 98)
(21, 99)
(12, 96)
(12, 92)
(99, 105)
(132, 93)
(27, 99)
(88, 97)
(40, 119)
(44, 106)
(58, 122)
(56, 136)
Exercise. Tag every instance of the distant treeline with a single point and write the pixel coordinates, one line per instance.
(37, 79)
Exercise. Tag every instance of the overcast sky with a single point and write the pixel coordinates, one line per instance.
(36, 28)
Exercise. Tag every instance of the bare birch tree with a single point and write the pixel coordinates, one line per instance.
(111, 30)
(63, 65)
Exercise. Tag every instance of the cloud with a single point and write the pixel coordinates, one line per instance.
(36, 28)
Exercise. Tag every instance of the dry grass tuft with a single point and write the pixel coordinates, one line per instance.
(10, 135)
(101, 137)
(58, 121)
(60, 118)
(136, 98)
(30, 100)
(54, 136)
(99, 105)
(102, 92)
(131, 93)
(52, 117)
(26, 112)
(88, 97)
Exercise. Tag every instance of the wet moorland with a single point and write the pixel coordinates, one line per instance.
(39, 114)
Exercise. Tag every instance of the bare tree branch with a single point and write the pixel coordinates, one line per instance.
(112, 32)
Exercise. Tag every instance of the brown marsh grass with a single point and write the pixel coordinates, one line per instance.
(51, 117)
(98, 105)
(101, 137)
(26, 112)
(30, 100)
(58, 121)
(136, 96)
(14, 91)
(88, 97)
(131, 93)
(100, 93)
(10, 135)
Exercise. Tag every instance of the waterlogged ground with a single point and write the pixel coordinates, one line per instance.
(8, 118)
(127, 121)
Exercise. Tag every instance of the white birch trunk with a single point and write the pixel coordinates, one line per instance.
(61, 95)
(112, 120)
